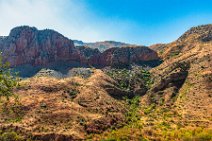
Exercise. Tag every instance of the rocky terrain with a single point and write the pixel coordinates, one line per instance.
(130, 93)
(184, 78)
(76, 107)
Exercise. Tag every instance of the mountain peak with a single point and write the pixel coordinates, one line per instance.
(19, 29)
(202, 33)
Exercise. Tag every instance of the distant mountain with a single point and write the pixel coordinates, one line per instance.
(78, 43)
(102, 46)
(28, 46)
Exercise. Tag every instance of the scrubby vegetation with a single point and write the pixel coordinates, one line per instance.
(7, 81)
(129, 78)
(132, 114)
(146, 77)
(11, 136)
(131, 127)
(156, 124)
(122, 76)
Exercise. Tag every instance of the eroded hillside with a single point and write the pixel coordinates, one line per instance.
(185, 77)
(64, 109)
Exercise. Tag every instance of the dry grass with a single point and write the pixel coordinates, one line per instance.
(63, 106)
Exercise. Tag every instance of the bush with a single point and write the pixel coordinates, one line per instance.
(11, 136)
(146, 77)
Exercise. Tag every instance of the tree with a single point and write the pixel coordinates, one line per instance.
(7, 81)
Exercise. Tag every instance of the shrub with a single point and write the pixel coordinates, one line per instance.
(146, 76)
(149, 109)
(10, 136)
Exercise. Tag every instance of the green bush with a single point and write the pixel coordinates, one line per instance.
(146, 76)
(10, 136)
(133, 114)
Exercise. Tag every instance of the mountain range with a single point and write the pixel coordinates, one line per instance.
(102, 46)
(160, 92)
(26, 47)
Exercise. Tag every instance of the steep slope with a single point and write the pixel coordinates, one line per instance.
(184, 79)
(27, 45)
(125, 57)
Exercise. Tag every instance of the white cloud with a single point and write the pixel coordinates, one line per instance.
(26, 12)
(69, 17)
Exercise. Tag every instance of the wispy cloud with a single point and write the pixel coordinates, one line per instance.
(70, 17)
(76, 20)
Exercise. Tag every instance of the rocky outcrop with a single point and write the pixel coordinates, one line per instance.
(27, 45)
(124, 57)
(48, 48)
(86, 53)
(80, 72)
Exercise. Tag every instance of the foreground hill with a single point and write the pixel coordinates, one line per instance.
(184, 79)
(65, 109)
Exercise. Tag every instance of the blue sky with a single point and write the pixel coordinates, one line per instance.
(134, 21)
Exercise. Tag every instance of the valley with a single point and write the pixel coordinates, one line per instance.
(112, 93)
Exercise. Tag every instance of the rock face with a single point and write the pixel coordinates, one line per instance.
(44, 48)
(27, 45)
(124, 57)
(86, 53)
